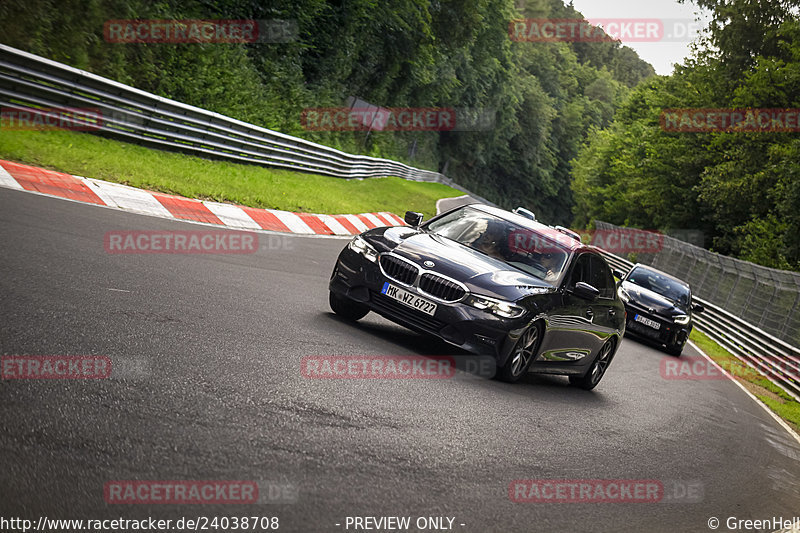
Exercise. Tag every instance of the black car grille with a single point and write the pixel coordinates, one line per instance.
(398, 270)
(385, 305)
(441, 288)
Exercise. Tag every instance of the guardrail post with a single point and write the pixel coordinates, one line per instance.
(735, 285)
(764, 312)
(701, 285)
(790, 315)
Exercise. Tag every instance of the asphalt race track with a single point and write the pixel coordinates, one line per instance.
(211, 347)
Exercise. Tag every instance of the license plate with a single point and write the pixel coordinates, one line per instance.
(409, 299)
(647, 322)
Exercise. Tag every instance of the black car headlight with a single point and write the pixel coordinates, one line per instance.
(681, 319)
(360, 246)
(497, 307)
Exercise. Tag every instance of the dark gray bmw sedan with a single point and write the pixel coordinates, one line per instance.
(491, 282)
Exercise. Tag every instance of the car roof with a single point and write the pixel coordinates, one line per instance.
(561, 237)
(657, 271)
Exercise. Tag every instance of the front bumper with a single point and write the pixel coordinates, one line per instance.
(474, 330)
(668, 333)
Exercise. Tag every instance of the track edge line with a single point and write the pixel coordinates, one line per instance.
(764, 406)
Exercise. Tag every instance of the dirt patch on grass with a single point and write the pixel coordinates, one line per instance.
(758, 390)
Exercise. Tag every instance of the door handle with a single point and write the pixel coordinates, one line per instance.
(589, 313)
(612, 312)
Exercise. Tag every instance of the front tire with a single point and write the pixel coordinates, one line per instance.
(597, 370)
(347, 308)
(522, 355)
(675, 349)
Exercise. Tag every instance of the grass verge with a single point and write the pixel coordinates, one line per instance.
(96, 157)
(773, 396)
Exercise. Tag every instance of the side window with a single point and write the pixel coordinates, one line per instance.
(580, 271)
(602, 279)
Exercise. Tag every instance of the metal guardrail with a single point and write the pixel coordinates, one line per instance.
(776, 360)
(133, 115)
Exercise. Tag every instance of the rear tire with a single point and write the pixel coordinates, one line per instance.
(597, 370)
(347, 308)
(522, 355)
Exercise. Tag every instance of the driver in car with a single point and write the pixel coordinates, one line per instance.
(492, 241)
(552, 263)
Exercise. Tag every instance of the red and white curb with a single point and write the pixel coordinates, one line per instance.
(114, 195)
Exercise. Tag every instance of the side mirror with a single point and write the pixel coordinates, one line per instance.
(585, 291)
(619, 274)
(698, 308)
(413, 219)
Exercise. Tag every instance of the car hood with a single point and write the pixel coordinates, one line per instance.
(480, 273)
(652, 300)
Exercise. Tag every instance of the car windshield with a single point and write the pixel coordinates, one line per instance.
(664, 285)
(538, 253)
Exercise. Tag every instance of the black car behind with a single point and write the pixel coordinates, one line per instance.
(659, 307)
(490, 282)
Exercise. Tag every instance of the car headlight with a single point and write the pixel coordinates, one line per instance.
(681, 319)
(623, 295)
(497, 307)
(360, 246)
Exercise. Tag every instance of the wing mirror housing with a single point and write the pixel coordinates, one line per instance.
(698, 308)
(619, 274)
(585, 291)
(413, 219)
